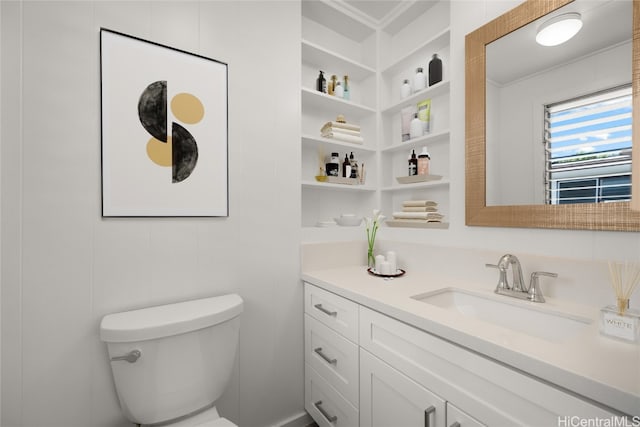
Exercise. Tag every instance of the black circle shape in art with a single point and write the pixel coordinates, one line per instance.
(152, 110)
(184, 153)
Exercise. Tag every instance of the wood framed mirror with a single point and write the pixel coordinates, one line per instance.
(613, 216)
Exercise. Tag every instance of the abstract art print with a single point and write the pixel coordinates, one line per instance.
(164, 130)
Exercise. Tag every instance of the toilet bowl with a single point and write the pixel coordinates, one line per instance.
(171, 363)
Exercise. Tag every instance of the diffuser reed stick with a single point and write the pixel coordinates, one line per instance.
(625, 278)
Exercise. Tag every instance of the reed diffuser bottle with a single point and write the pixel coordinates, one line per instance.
(621, 321)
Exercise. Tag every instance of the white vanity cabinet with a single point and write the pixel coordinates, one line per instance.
(364, 368)
(487, 390)
(331, 358)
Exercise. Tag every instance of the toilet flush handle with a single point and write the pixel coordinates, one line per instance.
(130, 357)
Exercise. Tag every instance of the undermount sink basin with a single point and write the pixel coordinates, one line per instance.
(520, 316)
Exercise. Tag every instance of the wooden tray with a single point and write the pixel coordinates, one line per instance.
(417, 178)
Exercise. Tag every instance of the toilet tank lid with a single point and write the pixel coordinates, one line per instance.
(171, 319)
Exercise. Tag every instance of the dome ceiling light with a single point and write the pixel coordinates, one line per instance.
(559, 29)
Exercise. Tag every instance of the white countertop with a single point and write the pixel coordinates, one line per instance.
(594, 366)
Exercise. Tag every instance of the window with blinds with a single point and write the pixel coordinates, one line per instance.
(588, 148)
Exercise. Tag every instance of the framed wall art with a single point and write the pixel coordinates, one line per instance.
(164, 130)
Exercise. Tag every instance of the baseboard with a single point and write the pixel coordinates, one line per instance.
(299, 420)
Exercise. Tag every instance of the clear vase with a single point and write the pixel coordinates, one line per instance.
(371, 260)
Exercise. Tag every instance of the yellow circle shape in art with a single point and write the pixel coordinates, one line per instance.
(160, 152)
(187, 108)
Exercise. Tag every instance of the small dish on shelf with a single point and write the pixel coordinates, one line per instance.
(348, 220)
(399, 272)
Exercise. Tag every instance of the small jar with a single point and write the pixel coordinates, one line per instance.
(405, 89)
(419, 80)
(333, 165)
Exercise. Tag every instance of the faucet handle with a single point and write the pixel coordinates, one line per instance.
(535, 293)
(502, 281)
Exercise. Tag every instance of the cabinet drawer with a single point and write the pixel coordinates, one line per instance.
(332, 356)
(327, 407)
(336, 312)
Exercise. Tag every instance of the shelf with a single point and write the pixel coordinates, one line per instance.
(430, 138)
(324, 59)
(437, 89)
(417, 185)
(334, 144)
(343, 187)
(433, 45)
(350, 110)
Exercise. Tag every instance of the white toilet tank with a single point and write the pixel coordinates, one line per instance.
(183, 353)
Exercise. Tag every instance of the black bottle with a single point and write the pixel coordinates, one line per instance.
(435, 70)
(346, 167)
(354, 166)
(413, 164)
(321, 83)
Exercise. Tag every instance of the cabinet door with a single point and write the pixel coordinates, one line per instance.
(459, 418)
(390, 399)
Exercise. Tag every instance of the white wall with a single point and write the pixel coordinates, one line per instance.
(64, 266)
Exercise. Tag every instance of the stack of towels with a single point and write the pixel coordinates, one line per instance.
(342, 131)
(420, 211)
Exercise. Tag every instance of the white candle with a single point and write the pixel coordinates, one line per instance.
(379, 261)
(391, 258)
(385, 268)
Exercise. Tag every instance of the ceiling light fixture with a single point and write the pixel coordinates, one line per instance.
(559, 29)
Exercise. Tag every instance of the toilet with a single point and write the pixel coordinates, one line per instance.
(171, 363)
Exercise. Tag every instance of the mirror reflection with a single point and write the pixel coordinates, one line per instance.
(568, 136)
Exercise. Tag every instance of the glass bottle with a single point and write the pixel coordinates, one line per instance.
(413, 164)
(346, 167)
(346, 89)
(435, 70)
(332, 84)
(321, 83)
(338, 90)
(415, 127)
(419, 81)
(423, 162)
(354, 166)
(405, 89)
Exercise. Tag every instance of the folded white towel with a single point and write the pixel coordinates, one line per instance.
(341, 131)
(418, 215)
(419, 209)
(339, 125)
(344, 138)
(415, 203)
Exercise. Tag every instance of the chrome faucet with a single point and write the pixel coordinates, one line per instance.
(518, 289)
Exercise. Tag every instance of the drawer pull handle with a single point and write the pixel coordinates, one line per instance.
(431, 410)
(326, 358)
(331, 418)
(456, 424)
(325, 311)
